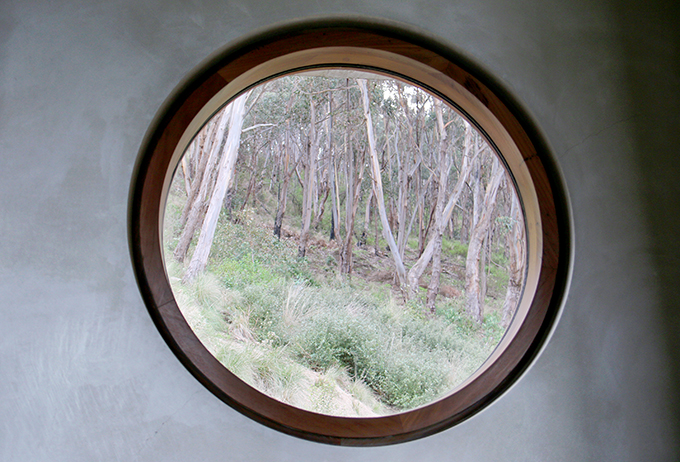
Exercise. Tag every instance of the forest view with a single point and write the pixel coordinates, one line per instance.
(344, 242)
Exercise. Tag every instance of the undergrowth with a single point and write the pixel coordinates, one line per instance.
(339, 347)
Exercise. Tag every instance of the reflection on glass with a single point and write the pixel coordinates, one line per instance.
(345, 243)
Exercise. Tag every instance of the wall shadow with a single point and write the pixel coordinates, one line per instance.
(650, 40)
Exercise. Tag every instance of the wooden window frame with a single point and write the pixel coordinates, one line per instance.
(423, 63)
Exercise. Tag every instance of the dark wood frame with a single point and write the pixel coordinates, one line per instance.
(158, 159)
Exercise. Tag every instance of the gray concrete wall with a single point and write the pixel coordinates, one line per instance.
(84, 374)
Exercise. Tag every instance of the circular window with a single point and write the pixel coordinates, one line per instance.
(318, 104)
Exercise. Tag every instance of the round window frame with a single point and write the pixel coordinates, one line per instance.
(414, 59)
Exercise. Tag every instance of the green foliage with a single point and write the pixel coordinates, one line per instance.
(243, 272)
(497, 281)
(397, 361)
(466, 328)
(370, 240)
(245, 253)
(454, 247)
(499, 258)
(493, 328)
(453, 312)
(433, 334)
(504, 224)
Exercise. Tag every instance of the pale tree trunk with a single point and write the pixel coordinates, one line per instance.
(352, 203)
(332, 174)
(207, 150)
(469, 154)
(324, 191)
(191, 152)
(283, 193)
(345, 261)
(261, 179)
(335, 224)
(350, 165)
(477, 191)
(421, 191)
(316, 192)
(376, 243)
(192, 215)
(391, 213)
(367, 220)
(444, 165)
(465, 219)
(426, 230)
(257, 173)
(225, 174)
(484, 256)
(354, 175)
(310, 174)
(474, 303)
(350, 183)
(405, 225)
(405, 175)
(404, 181)
(377, 186)
(516, 246)
(253, 178)
(192, 160)
(402, 209)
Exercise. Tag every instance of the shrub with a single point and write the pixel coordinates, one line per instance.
(434, 335)
(403, 369)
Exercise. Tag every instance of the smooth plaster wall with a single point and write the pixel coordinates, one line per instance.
(84, 374)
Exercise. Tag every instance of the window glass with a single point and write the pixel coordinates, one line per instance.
(345, 242)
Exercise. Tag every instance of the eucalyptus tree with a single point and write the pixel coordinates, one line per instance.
(354, 167)
(470, 153)
(197, 202)
(225, 175)
(473, 293)
(310, 176)
(516, 248)
(441, 214)
(287, 163)
(378, 187)
(444, 166)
